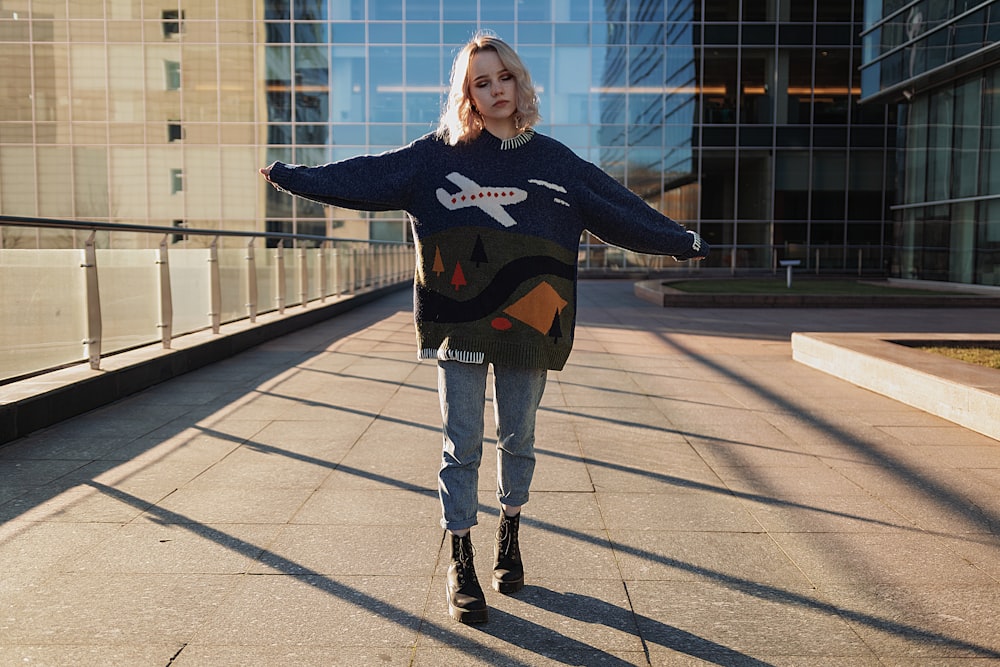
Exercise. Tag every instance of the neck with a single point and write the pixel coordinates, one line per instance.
(503, 130)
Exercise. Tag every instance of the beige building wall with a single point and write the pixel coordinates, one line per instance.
(118, 111)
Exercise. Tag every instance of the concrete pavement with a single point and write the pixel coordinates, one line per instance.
(700, 499)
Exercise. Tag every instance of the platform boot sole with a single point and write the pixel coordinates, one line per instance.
(468, 617)
(508, 587)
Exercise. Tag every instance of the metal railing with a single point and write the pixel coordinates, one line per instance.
(70, 305)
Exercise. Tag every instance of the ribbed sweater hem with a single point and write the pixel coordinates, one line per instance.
(518, 356)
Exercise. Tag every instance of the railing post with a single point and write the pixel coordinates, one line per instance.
(303, 277)
(366, 263)
(323, 276)
(335, 259)
(92, 343)
(215, 285)
(166, 301)
(352, 271)
(380, 270)
(279, 267)
(251, 283)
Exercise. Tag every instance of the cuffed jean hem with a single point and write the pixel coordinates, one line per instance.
(513, 501)
(458, 525)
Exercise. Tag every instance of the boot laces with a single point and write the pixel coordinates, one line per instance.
(507, 539)
(464, 557)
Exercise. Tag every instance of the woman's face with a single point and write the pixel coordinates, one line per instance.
(493, 90)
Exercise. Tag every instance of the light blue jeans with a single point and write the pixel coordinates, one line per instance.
(517, 393)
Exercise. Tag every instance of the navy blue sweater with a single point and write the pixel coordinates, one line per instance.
(497, 226)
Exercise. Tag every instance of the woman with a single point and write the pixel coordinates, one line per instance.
(497, 213)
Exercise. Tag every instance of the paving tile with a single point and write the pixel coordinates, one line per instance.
(32, 551)
(371, 507)
(33, 473)
(113, 609)
(923, 620)
(942, 434)
(612, 477)
(962, 456)
(744, 558)
(73, 503)
(900, 557)
(260, 468)
(740, 624)
(340, 551)
(678, 510)
(855, 513)
(567, 509)
(115, 655)
(274, 611)
(517, 657)
(152, 548)
(215, 505)
(810, 478)
(200, 655)
(40, 447)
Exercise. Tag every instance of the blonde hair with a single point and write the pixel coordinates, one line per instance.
(460, 121)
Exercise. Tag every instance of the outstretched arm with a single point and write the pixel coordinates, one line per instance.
(618, 216)
(367, 183)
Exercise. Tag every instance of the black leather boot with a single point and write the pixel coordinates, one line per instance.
(466, 600)
(508, 571)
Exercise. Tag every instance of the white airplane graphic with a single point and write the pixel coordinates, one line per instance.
(490, 199)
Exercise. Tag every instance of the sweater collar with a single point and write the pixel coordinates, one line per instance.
(510, 144)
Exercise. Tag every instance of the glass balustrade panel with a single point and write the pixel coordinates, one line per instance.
(43, 310)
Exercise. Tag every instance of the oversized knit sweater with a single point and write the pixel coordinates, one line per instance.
(497, 226)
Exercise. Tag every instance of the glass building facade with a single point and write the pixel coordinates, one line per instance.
(937, 60)
(738, 118)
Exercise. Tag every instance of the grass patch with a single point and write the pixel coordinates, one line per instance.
(981, 354)
(807, 286)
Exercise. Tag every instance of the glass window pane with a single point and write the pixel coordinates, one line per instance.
(497, 11)
(347, 33)
(718, 183)
(916, 152)
(347, 94)
(754, 201)
(534, 33)
(939, 145)
(719, 87)
(423, 33)
(385, 33)
(385, 10)
(756, 105)
(990, 176)
(423, 10)
(458, 33)
(310, 33)
(799, 87)
(968, 131)
(386, 67)
(831, 103)
(829, 170)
